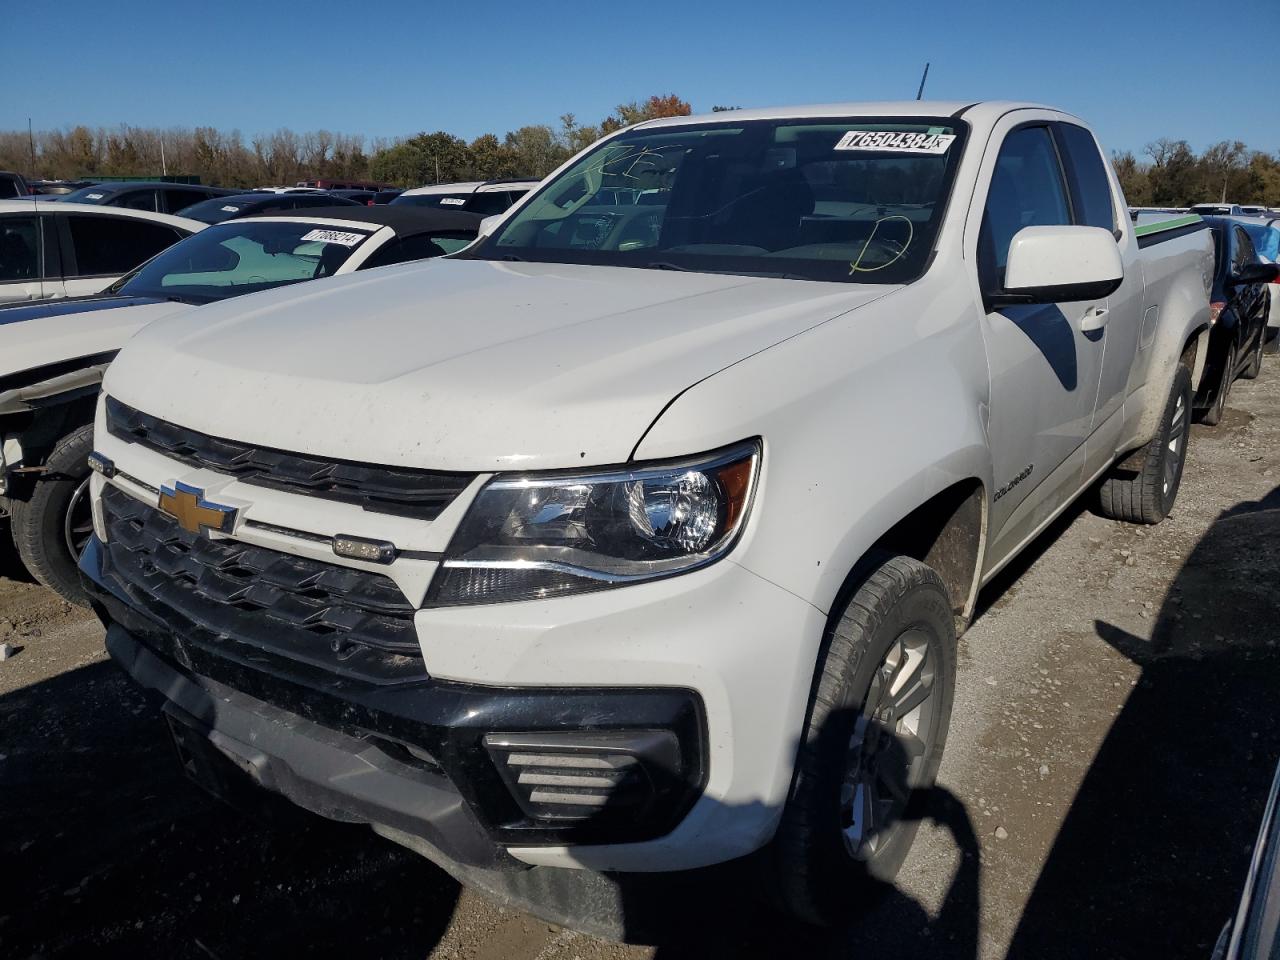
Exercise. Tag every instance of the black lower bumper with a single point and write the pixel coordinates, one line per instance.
(407, 759)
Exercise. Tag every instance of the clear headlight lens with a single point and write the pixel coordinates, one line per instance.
(527, 537)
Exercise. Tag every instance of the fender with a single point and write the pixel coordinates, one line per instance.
(893, 399)
(1183, 315)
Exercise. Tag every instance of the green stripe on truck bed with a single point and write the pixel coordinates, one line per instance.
(1161, 226)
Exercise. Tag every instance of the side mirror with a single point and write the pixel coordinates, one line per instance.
(1256, 273)
(490, 224)
(1060, 263)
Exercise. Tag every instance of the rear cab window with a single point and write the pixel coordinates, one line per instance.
(1087, 177)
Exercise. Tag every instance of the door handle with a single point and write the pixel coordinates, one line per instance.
(1095, 318)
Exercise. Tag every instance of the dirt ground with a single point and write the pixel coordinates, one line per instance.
(1114, 734)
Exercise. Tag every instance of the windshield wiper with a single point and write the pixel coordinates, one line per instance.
(668, 265)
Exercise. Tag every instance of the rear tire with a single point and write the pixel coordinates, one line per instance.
(1213, 416)
(1143, 487)
(51, 528)
(877, 727)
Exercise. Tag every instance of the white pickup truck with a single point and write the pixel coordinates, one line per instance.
(636, 538)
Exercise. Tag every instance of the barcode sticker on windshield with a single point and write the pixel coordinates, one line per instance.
(334, 236)
(93, 196)
(452, 201)
(895, 141)
(231, 209)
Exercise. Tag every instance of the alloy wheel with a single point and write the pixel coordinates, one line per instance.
(77, 522)
(892, 735)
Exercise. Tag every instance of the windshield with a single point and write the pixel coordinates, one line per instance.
(858, 201)
(1266, 239)
(243, 256)
(91, 194)
(216, 209)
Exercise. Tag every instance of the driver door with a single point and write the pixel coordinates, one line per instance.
(1045, 360)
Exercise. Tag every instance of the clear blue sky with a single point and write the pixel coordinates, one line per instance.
(1135, 70)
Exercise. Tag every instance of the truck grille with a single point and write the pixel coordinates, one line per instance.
(347, 621)
(403, 491)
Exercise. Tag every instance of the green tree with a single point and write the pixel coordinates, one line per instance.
(535, 150)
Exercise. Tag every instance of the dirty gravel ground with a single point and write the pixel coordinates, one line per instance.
(1115, 730)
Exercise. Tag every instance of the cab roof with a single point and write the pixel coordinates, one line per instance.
(885, 108)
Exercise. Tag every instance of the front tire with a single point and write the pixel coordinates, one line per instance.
(52, 527)
(874, 737)
(1143, 487)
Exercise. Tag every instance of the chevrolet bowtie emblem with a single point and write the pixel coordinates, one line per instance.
(194, 513)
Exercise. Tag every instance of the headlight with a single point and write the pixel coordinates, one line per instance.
(532, 536)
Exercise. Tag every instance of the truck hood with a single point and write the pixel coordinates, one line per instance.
(463, 364)
(53, 331)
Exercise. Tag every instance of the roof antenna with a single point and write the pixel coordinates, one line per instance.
(920, 92)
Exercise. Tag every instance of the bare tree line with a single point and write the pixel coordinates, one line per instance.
(224, 157)
(1172, 174)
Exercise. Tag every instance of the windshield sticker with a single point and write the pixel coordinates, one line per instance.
(894, 141)
(93, 196)
(230, 209)
(452, 201)
(334, 236)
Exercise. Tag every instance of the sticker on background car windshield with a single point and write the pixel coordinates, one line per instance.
(895, 141)
(334, 236)
(452, 201)
(93, 196)
(230, 209)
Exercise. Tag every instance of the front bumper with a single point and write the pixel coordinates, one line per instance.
(413, 730)
(406, 760)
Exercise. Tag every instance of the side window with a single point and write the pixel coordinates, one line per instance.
(175, 200)
(1244, 253)
(19, 249)
(106, 246)
(489, 203)
(134, 200)
(1090, 188)
(1026, 191)
(403, 250)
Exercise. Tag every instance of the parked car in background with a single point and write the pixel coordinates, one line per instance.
(1264, 231)
(635, 538)
(364, 197)
(12, 185)
(1238, 305)
(160, 197)
(218, 209)
(1217, 209)
(485, 197)
(1248, 210)
(52, 355)
(66, 249)
(329, 183)
(386, 196)
(1254, 932)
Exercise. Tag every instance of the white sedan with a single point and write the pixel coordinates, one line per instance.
(52, 250)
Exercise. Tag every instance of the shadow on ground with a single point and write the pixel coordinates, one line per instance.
(1153, 853)
(108, 851)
